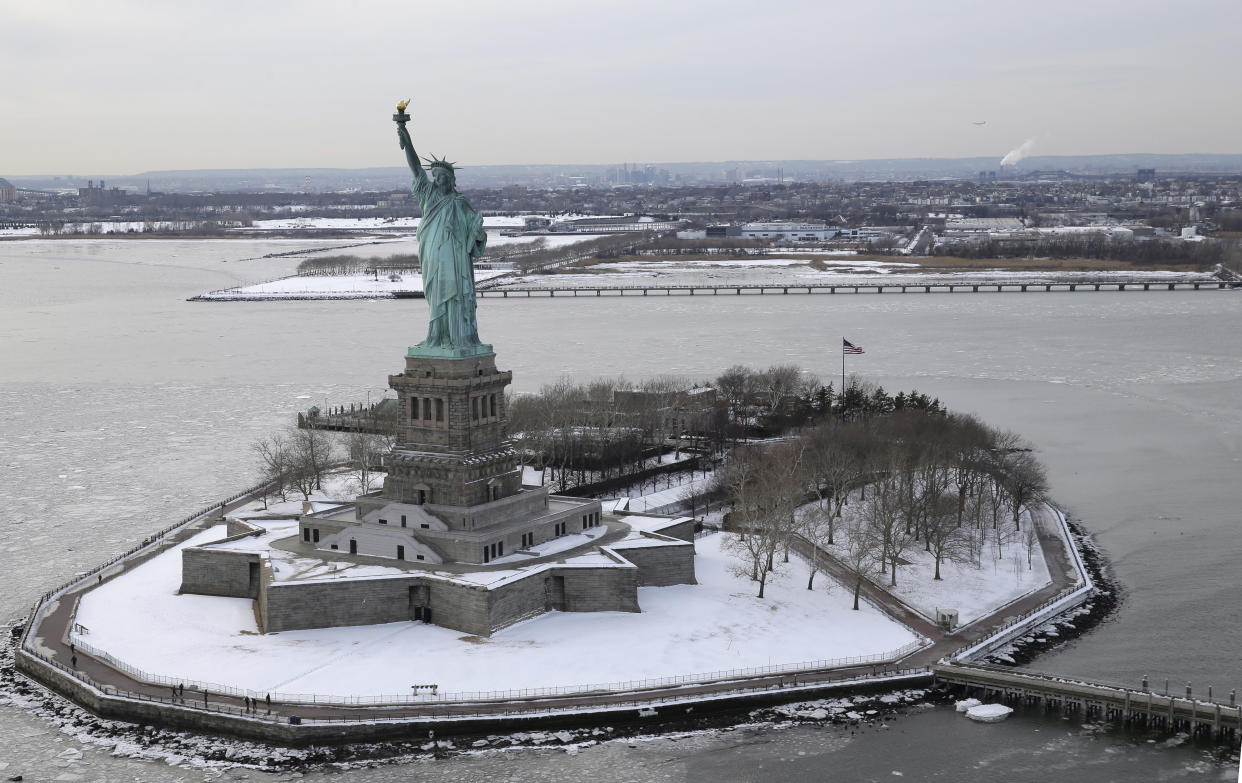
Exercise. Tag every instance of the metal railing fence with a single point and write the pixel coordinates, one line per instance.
(424, 697)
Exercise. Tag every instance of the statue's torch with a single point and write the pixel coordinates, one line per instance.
(401, 117)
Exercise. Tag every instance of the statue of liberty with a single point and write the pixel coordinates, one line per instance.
(450, 237)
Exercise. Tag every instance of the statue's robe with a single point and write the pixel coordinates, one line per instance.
(450, 237)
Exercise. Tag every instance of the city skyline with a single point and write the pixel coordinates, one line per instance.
(138, 86)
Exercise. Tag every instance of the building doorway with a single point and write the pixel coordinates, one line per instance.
(420, 603)
(554, 593)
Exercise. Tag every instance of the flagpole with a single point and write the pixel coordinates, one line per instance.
(843, 369)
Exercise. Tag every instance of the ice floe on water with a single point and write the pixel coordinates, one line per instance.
(989, 713)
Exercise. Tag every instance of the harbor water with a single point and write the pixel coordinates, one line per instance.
(123, 407)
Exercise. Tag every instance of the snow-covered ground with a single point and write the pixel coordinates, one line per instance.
(681, 485)
(291, 223)
(973, 590)
(365, 223)
(785, 270)
(532, 477)
(657, 494)
(364, 286)
(715, 625)
(359, 286)
(750, 270)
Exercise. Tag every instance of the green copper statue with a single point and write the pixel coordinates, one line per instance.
(450, 237)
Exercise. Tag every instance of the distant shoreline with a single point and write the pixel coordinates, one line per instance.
(326, 233)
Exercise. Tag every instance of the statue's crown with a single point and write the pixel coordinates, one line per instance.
(433, 162)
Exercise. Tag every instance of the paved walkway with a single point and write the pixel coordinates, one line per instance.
(52, 633)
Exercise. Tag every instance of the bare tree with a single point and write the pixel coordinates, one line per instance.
(885, 519)
(1030, 540)
(763, 486)
(946, 539)
(311, 451)
(694, 498)
(814, 524)
(1025, 482)
(778, 382)
(740, 480)
(977, 512)
(736, 385)
(967, 449)
(302, 475)
(275, 464)
(859, 552)
(838, 457)
(365, 451)
(657, 410)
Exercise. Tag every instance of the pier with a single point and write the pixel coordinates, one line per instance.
(1163, 711)
(939, 287)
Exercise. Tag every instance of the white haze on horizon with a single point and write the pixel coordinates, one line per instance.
(142, 85)
(1017, 154)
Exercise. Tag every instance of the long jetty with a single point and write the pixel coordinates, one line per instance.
(1145, 707)
(878, 287)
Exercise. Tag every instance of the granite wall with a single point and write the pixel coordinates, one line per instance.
(220, 572)
(660, 566)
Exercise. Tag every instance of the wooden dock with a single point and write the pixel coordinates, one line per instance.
(1164, 711)
(942, 287)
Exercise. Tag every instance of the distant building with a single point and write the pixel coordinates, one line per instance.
(97, 196)
(986, 225)
(615, 225)
(789, 232)
(1145, 175)
(863, 234)
(7, 191)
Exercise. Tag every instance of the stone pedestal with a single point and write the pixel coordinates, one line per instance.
(451, 448)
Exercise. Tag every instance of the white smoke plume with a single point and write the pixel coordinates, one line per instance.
(1018, 154)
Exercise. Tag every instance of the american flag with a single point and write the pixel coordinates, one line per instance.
(849, 347)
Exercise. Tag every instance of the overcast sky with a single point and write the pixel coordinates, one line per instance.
(121, 87)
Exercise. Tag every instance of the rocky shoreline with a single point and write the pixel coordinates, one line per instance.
(1072, 624)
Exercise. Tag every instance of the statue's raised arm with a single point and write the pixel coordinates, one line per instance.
(403, 137)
